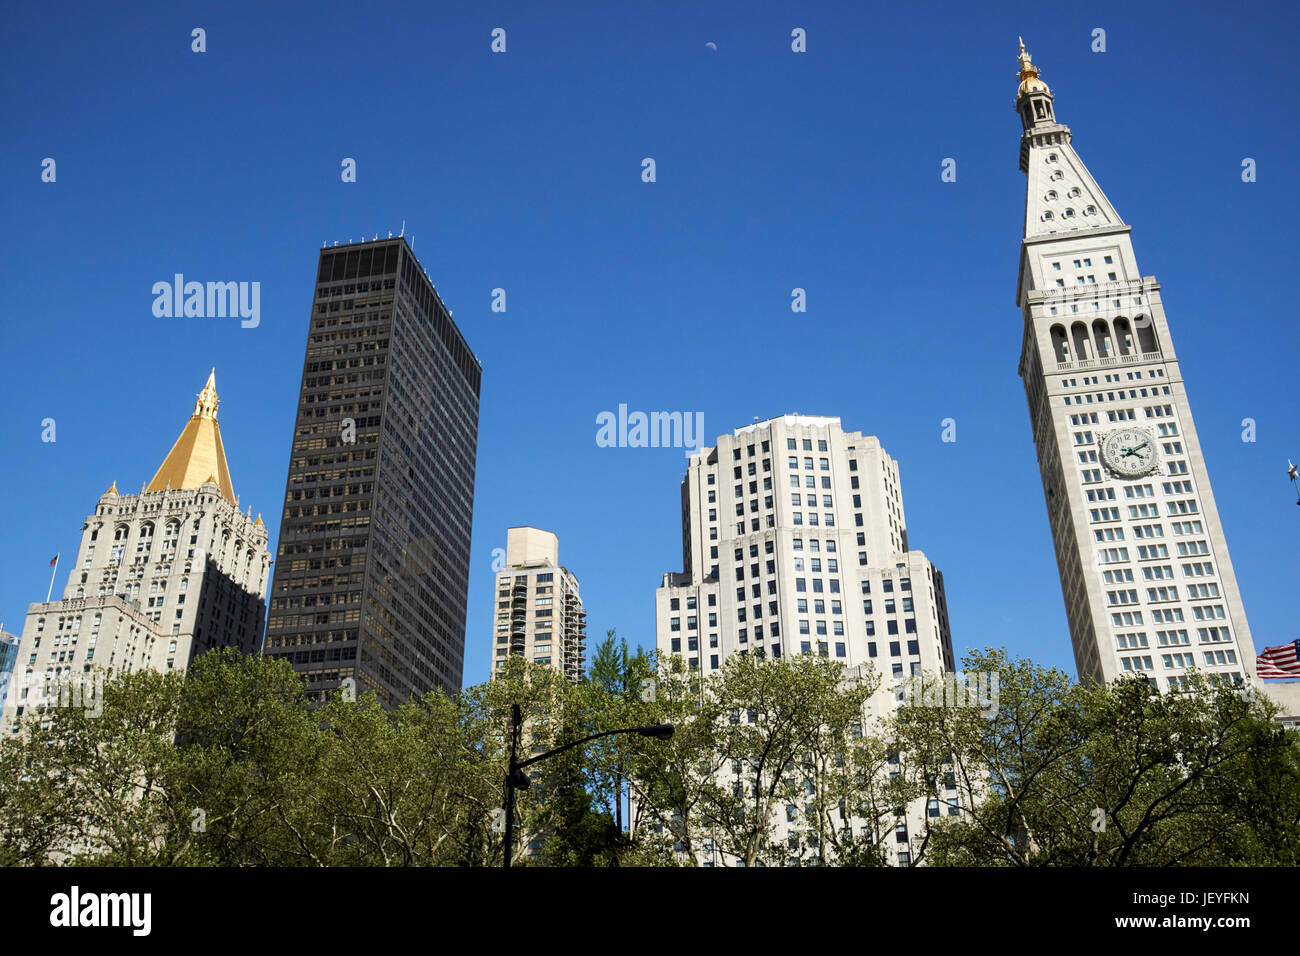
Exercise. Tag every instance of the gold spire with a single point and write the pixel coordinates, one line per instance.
(1029, 79)
(206, 406)
(112, 489)
(198, 454)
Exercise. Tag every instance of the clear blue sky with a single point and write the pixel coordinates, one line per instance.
(522, 171)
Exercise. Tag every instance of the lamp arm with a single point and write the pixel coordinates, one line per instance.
(551, 753)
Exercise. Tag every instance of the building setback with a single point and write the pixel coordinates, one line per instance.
(1149, 588)
(159, 578)
(539, 613)
(372, 575)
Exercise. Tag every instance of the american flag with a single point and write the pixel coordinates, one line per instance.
(1282, 661)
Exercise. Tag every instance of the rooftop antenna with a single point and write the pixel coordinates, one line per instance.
(403, 232)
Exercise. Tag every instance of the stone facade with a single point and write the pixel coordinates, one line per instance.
(794, 541)
(1148, 583)
(159, 578)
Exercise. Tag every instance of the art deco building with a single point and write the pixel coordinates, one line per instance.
(373, 572)
(539, 613)
(794, 541)
(160, 577)
(1148, 584)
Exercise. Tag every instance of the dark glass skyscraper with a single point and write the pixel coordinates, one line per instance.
(372, 570)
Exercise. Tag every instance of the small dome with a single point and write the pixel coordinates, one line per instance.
(1032, 84)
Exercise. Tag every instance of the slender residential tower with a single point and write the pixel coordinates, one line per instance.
(372, 576)
(539, 610)
(160, 577)
(1148, 584)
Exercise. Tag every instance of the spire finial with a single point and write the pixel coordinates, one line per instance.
(206, 406)
(1029, 79)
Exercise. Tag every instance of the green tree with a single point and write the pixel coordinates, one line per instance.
(249, 751)
(668, 780)
(779, 716)
(618, 679)
(1091, 775)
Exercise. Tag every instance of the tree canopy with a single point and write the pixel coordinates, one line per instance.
(773, 762)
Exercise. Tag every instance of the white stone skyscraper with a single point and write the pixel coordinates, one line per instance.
(794, 542)
(159, 577)
(1148, 585)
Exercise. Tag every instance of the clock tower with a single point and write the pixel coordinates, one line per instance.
(1149, 588)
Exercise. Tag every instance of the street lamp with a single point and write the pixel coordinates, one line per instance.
(516, 779)
(1291, 473)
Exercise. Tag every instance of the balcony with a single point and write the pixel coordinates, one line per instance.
(1132, 359)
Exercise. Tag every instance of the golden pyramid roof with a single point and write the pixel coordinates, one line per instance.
(198, 455)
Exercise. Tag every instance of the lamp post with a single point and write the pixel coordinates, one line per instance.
(1291, 473)
(516, 779)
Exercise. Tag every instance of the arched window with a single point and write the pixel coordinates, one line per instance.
(1146, 334)
(1124, 336)
(1060, 343)
(1101, 337)
(1082, 348)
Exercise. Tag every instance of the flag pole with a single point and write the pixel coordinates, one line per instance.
(52, 574)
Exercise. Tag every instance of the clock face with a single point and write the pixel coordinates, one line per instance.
(1129, 452)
